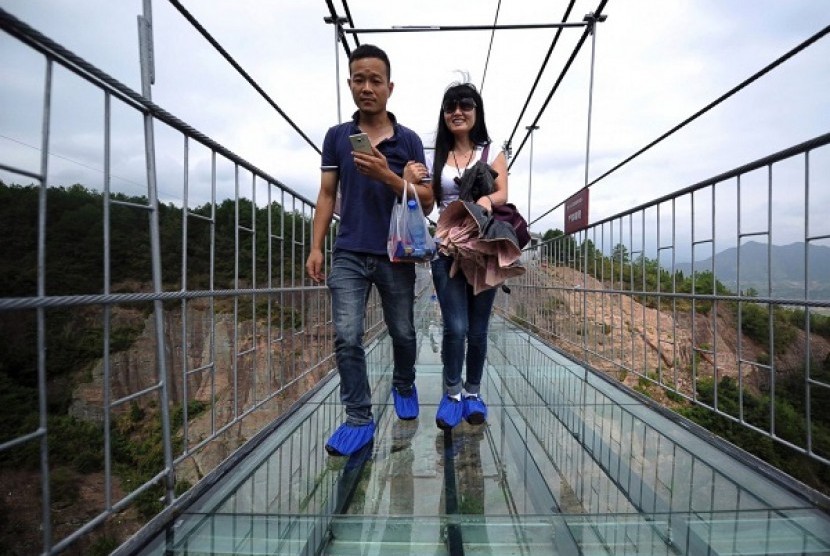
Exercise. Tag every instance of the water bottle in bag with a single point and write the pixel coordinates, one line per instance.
(416, 229)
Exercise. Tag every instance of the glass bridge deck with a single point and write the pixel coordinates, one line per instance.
(566, 464)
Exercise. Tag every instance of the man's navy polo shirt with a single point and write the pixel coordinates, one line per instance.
(366, 204)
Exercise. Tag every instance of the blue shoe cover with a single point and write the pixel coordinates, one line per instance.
(449, 412)
(348, 439)
(406, 406)
(475, 410)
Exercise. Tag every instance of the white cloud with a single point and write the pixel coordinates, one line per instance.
(656, 64)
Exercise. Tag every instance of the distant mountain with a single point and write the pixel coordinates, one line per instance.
(787, 269)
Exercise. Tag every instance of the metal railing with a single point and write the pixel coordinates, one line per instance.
(220, 333)
(740, 328)
(216, 337)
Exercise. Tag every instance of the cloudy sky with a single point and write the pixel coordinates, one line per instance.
(656, 63)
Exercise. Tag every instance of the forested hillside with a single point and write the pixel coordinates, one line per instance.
(75, 255)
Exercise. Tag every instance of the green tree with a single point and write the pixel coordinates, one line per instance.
(552, 234)
(620, 254)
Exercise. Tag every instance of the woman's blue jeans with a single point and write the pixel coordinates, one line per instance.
(466, 318)
(350, 281)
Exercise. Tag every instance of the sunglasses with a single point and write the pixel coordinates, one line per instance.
(466, 104)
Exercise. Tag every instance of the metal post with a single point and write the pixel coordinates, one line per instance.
(145, 34)
(592, 21)
(508, 154)
(531, 129)
(43, 428)
(338, 30)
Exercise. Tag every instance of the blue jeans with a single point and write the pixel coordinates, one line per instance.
(350, 281)
(466, 318)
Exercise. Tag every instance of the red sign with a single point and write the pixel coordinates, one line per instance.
(576, 211)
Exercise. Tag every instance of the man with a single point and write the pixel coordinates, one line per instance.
(370, 184)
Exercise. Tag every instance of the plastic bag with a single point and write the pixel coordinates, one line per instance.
(409, 239)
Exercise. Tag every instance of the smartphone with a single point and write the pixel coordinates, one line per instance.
(361, 143)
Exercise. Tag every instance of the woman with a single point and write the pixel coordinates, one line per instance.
(460, 141)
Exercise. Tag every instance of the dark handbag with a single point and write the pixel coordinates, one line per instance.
(508, 213)
(477, 182)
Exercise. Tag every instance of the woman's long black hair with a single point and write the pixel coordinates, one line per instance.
(445, 140)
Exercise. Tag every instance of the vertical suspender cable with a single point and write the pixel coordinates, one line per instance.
(593, 30)
(338, 32)
(530, 130)
(337, 70)
(722, 98)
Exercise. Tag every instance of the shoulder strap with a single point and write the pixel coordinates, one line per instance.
(484, 152)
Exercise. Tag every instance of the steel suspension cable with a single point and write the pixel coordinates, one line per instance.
(351, 21)
(83, 69)
(541, 71)
(193, 21)
(566, 67)
(720, 99)
(709, 106)
(489, 48)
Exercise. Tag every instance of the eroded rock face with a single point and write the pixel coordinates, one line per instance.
(649, 340)
(237, 354)
(258, 365)
(232, 372)
(136, 368)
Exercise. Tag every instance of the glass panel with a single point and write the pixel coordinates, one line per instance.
(566, 464)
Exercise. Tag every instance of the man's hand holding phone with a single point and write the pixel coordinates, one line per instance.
(368, 159)
(361, 143)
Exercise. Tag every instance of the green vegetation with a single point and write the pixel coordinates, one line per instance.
(75, 242)
(74, 249)
(642, 274)
(74, 252)
(755, 323)
(772, 328)
(819, 324)
(138, 451)
(77, 447)
(73, 444)
(790, 424)
(674, 396)
(103, 546)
